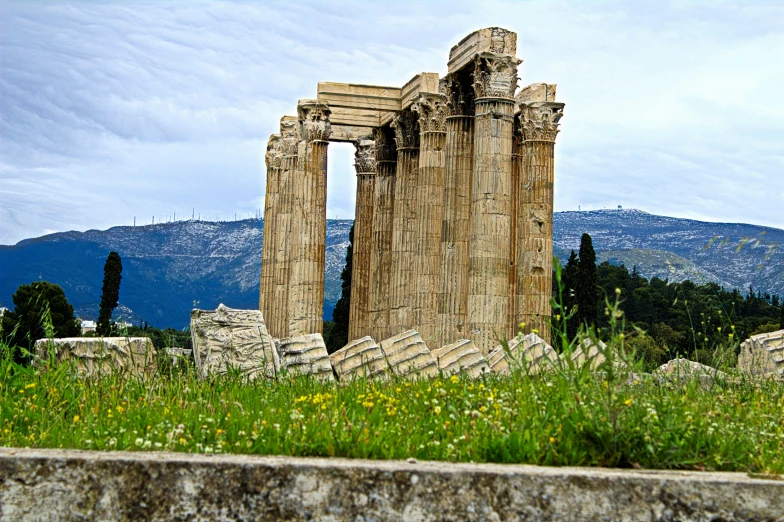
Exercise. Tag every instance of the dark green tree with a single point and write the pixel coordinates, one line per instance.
(110, 293)
(585, 287)
(338, 334)
(570, 275)
(38, 307)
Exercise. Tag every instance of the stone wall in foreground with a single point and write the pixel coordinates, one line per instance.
(81, 485)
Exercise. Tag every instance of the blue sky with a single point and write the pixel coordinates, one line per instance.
(110, 110)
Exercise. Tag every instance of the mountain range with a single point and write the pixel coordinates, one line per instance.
(172, 267)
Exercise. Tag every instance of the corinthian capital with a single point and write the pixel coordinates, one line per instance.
(365, 156)
(431, 109)
(313, 120)
(539, 120)
(459, 99)
(495, 75)
(406, 130)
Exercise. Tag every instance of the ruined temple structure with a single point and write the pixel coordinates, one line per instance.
(454, 209)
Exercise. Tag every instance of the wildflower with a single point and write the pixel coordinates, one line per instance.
(139, 441)
(552, 440)
(31, 385)
(535, 331)
(628, 402)
(617, 291)
(454, 379)
(437, 410)
(76, 418)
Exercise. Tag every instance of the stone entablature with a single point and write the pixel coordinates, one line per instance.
(453, 228)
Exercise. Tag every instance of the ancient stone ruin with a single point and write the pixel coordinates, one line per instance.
(454, 207)
(763, 355)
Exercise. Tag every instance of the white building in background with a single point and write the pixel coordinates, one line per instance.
(88, 326)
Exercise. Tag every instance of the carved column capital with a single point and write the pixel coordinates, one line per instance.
(314, 120)
(385, 144)
(495, 75)
(406, 126)
(539, 120)
(459, 100)
(273, 148)
(365, 157)
(432, 112)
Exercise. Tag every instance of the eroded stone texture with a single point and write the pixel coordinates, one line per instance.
(229, 338)
(461, 356)
(408, 355)
(529, 352)
(97, 356)
(763, 355)
(591, 353)
(361, 358)
(684, 370)
(305, 355)
(78, 485)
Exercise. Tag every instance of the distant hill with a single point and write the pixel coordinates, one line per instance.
(168, 268)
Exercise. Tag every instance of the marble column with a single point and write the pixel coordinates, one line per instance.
(365, 165)
(495, 81)
(381, 242)
(429, 200)
(278, 320)
(404, 222)
(309, 222)
(539, 126)
(455, 224)
(272, 160)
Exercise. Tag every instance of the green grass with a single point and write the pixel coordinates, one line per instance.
(566, 417)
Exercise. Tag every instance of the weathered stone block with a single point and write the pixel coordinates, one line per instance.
(97, 356)
(529, 351)
(686, 370)
(408, 355)
(305, 355)
(461, 356)
(763, 355)
(592, 353)
(228, 338)
(361, 358)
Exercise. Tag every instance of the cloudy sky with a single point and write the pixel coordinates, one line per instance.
(110, 110)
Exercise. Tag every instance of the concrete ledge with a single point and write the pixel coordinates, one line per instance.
(79, 485)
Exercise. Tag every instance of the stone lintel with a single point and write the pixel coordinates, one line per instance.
(489, 40)
(536, 92)
(350, 133)
(51, 484)
(358, 105)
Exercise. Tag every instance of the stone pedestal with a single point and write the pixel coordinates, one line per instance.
(359, 312)
(381, 240)
(309, 230)
(491, 203)
(402, 282)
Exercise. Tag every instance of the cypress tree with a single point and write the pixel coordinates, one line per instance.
(585, 287)
(110, 293)
(570, 293)
(338, 335)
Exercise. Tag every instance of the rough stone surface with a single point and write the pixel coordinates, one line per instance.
(685, 370)
(763, 355)
(305, 355)
(361, 358)
(78, 485)
(229, 338)
(408, 355)
(461, 356)
(96, 356)
(529, 351)
(592, 354)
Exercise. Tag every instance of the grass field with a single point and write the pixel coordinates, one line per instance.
(563, 417)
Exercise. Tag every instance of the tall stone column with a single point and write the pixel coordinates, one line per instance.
(272, 160)
(539, 126)
(401, 316)
(365, 164)
(278, 319)
(431, 109)
(309, 227)
(495, 80)
(456, 224)
(381, 243)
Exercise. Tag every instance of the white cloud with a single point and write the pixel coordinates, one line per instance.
(113, 110)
